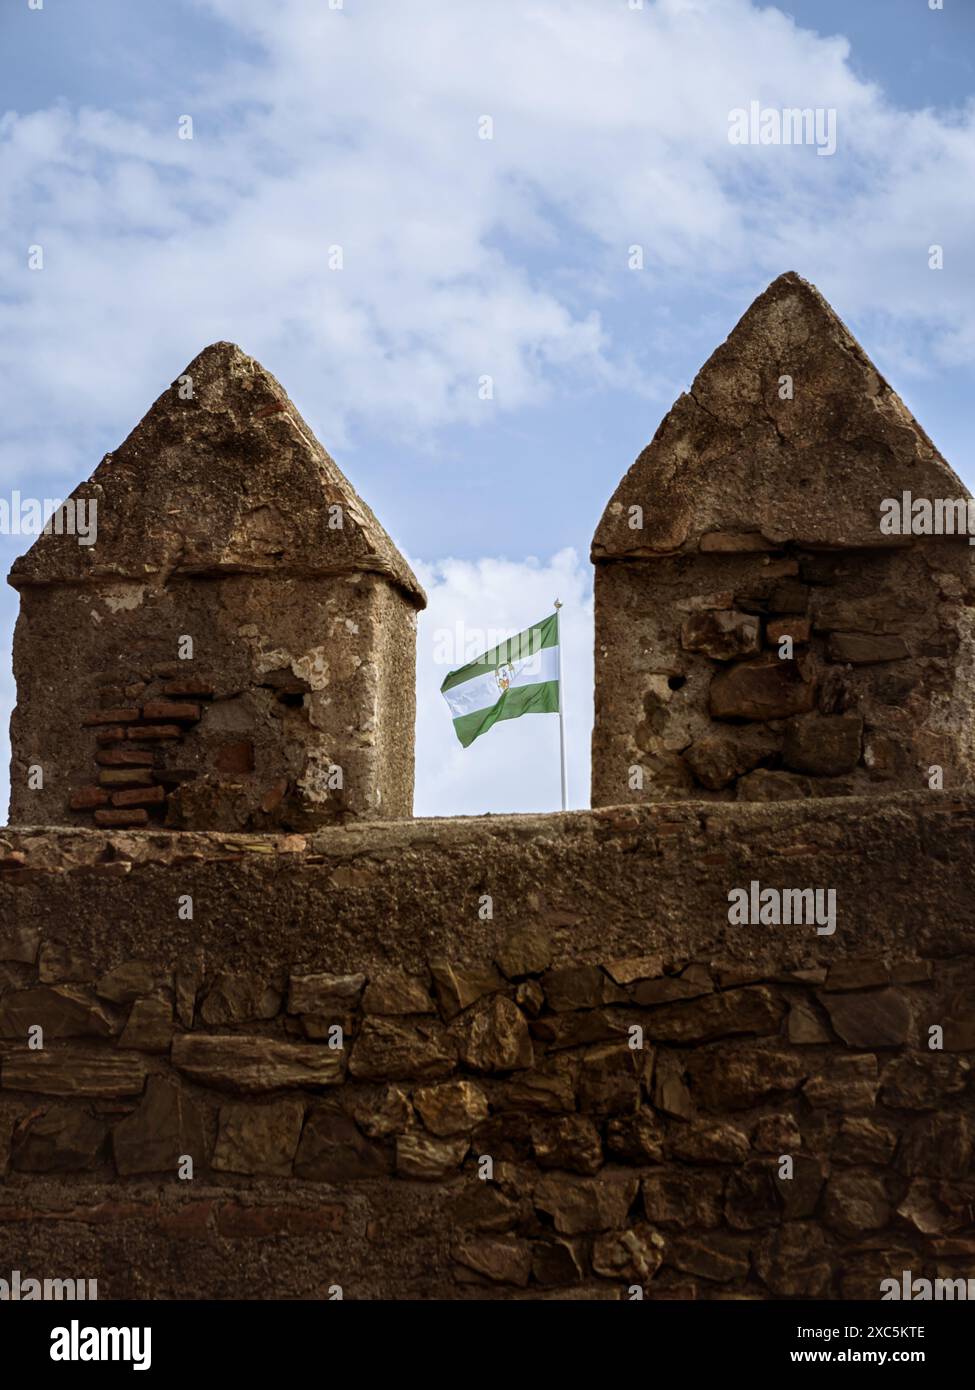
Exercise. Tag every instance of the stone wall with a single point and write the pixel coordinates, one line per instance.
(234, 569)
(564, 996)
(870, 694)
(296, 706)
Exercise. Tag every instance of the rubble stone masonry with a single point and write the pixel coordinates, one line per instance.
(619, 1159)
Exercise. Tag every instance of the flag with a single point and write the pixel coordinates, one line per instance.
(521, 676)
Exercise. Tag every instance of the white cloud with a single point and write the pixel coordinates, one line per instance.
(358, 127)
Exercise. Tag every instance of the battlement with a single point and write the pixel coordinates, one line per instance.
(263, 1034)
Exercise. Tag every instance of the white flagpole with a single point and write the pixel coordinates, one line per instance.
(558, 633)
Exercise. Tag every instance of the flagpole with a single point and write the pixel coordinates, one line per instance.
(558, 633)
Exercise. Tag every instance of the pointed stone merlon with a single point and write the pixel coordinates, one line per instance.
(784, 583)
(237, 648)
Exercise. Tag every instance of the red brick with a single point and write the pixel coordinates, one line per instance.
(259, 1221)
(125, 757)
(140, 796)
(155, 731)
(796, 628)
(190, 686)
(122, 820)
(110, 735)
(170, 712)
(111, 716)
(274, 795)
(125, 777)
(87, 798)
(188, 1219)
(235, 757)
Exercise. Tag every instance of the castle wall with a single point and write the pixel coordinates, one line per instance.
(696, 696)
(295, 708)
(487, 977)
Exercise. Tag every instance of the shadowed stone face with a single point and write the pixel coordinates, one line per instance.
(761, 630)
(236, 650)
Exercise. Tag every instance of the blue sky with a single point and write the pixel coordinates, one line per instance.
(358, 126)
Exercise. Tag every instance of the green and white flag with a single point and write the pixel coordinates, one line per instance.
(521, 676)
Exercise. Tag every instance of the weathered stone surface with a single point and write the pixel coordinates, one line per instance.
(635, 1138)
(19, 944)
(63, 1011)
(799, 1194)
(856, 1201)
(689, 984)
(493, 1036)
(567, 1141)
(525, 951)
(149, 1027)
(556, 1263)
(877, 1018)
(721, 634)
(259, 1139)
(380, 1113)
(750, 1010)
(859, 1140)
(577, 1205)
(455, 1107)
(166, 1128)
(323, 993)
(740, 1078)
(129, 980)
(939, 1146)
(421, 1156)
(763, 688)
(635, 1254)
(750, 1197)
(577, 1029)
(396, 992)
(670, 1093)
(845, 1083)
(778, 1134)
(549, 1088)
(767, 785)
(501, 1259)
(632, 969)
(718, 759)
(239, 997)
(64, 1139)
(683, 1199)
(459, 986)
(704, 1143)
(580, 987)
(395, 1050)
(609, 1079)
(923, 1080)
(250, 1065)
(333, 1150)
(804, 1026)
(824, 745)
(74, 1071)
(861, 649)
(715, 1257)
(795, 1261)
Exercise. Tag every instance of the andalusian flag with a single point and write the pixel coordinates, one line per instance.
(521, 676)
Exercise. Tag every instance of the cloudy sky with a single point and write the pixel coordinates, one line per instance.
(360, 124)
